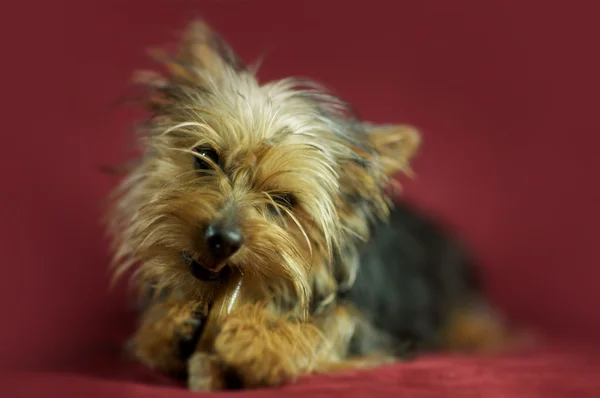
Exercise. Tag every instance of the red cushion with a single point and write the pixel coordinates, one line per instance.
(544, 373)
(506, 95)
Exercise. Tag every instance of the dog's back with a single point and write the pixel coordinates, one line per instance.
(417, 284)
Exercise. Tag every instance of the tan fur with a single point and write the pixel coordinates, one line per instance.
(160, 329)
(282, 137)
(265, 349)
(475, 327)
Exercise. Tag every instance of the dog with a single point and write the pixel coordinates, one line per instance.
(280, 182)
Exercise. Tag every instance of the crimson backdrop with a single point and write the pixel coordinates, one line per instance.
(505, 93)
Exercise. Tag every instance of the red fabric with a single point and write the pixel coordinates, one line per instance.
(505, 93)
(556, 372)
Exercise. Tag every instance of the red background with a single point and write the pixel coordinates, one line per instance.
(505, 93)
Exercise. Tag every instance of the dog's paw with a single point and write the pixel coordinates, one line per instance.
(167, 336)
(262, 349)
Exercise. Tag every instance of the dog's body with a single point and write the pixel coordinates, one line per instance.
(281, 183)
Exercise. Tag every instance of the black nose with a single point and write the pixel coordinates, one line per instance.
(223, 241)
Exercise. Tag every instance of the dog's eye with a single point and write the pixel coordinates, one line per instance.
(285, 200)
(204, 158)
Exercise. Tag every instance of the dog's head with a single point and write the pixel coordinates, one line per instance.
(273, 179)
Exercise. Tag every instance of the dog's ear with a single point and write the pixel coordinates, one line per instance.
(395, 145)
(205, 49)
(389, 150)
(203, 59)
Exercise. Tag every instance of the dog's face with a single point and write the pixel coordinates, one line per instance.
(270, 179)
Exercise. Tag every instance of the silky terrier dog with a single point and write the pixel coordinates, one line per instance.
(279, 183)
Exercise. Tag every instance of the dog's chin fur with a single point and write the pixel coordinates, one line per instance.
(305, 182)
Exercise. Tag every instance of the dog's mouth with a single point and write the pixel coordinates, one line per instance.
(199, 271)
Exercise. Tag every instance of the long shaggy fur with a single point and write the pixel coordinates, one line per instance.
(283, 136)
(303, 180)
